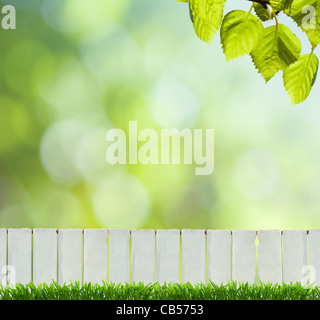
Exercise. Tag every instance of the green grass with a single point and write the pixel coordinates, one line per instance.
(139, 291)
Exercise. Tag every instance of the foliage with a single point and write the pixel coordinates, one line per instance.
(170, 291)
(272, 49)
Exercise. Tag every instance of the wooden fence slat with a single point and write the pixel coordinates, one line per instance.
(95, 268)
(270, 256)
(243, 256)
(168, 256)
(193, 244)
(69, 255)
(219, 256)
(143, 256)
(119, 256)
(3, 256)
(19, 255)
(314, 256)
(44, 255)
(294, 255)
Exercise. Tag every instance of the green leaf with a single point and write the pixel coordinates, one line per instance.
(306, 13)
(261, 12)
(287, 5)
(277, 49)
(279, 5)
(276, 5)
(207, 17)
(300, 76)
(240, 33)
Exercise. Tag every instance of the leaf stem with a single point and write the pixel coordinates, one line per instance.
(276, 19)
(251, 8)
(245, 20)
(276, 32)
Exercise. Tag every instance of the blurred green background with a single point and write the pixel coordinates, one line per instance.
(73, 69)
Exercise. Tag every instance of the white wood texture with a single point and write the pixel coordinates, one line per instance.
(168, 256)
(3, 256)
(314, 256)
(219, 256)
(95, 267)
(193, 256)
(143, 256)
(19, 256)
(294, 255)
(119, 256)
(270, 256)
(243, 256)
(69, 255)
(74, 255)
(45, 255)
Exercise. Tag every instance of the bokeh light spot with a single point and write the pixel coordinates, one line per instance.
(257, 176)
(122, 201)
(173, 105)
(58, 151)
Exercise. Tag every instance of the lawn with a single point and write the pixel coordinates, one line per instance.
(210, 291)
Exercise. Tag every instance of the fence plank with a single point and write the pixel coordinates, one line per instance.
(44, 255)
(119, 256)
(69, 255)
(193, 256)
(270, 256)
(294, 255)
(143, 256)
(280, 258)
(95, 268)
(314, 256)
(168, 256)
(243, 256)
(3, 256)
(19, 255)
(219, 256)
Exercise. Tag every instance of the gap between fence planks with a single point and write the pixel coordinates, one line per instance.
(190, 255)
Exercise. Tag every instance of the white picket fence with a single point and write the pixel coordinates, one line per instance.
(119, 256)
